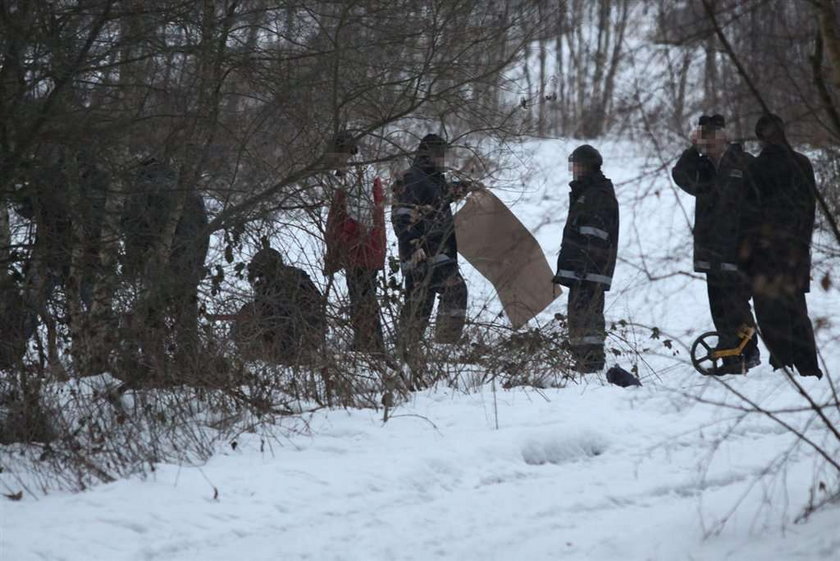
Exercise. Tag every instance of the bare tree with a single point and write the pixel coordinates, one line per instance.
(237, 98)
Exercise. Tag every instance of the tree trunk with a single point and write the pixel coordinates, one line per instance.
(527, 103)
(541, 111)
(831, 37)
(710, 77)
(5, 237)
(561, 106)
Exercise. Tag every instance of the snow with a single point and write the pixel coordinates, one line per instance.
(582, 473)
(672, 470)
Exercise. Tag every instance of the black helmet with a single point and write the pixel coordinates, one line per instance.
(432, 145)
(712, 122)
(344, 143)
(266, 263)
(588, 156)
(770, 128)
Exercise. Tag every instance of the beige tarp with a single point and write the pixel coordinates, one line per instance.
(496, 243)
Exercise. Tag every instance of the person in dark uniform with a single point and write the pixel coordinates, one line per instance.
(63, 195)
(777, 247)
(286, 320)
(18, 323)
(423, 221)
(587, 256)
(173, 288)
(49, 201)
(715, 173)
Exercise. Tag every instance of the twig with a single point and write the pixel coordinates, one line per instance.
(772, 415)
(434, 426)
(751, 85)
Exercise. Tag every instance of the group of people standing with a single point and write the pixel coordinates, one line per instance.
(422, 218)
(754, 217)
(69, 270)
(287, 305)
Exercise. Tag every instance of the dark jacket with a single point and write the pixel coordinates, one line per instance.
(719, 192)
(285, 319)
(47, 201)
(422, 217)
(17, 325)
(780, 217)
(590, 238)
(290, 312)
(145, 217)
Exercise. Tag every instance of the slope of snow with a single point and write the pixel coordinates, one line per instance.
(583, 473)
(673, 470)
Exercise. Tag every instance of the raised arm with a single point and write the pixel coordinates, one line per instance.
(693, 172)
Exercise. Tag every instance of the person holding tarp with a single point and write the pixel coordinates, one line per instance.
(777, 247)
(716, 173)
(587, 256)
(355, 238)
(423, 221)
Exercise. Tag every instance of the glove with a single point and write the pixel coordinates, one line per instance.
(694, 136)
(463, 188)
(418, 256)
(419, 212)
(474, 185)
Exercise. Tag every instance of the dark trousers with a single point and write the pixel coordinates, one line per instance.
(364, 310)
(587, 328)
(729, 303)
(786, 329)
(421, 288)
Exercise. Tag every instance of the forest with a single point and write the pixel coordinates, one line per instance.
(150, 150)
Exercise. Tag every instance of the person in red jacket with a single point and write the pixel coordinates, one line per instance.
(355, 237)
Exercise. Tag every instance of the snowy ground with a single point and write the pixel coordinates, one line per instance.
(588, 472)
(583, 473)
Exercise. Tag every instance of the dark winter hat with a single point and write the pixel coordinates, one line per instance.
(712, 122)
(344, 143)
(432, 145)
(588, 156)
(266, 263)
(770, 128)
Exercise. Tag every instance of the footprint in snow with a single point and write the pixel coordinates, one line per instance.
(562, 448)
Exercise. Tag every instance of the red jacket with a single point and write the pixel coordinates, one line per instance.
(351, 245)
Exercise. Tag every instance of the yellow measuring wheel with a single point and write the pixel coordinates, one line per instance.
(707, 358)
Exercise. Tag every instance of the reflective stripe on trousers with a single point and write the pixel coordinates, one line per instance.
(592, 231)
(591, 277)
(586, 340)
(707, 265)
(435, 261)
